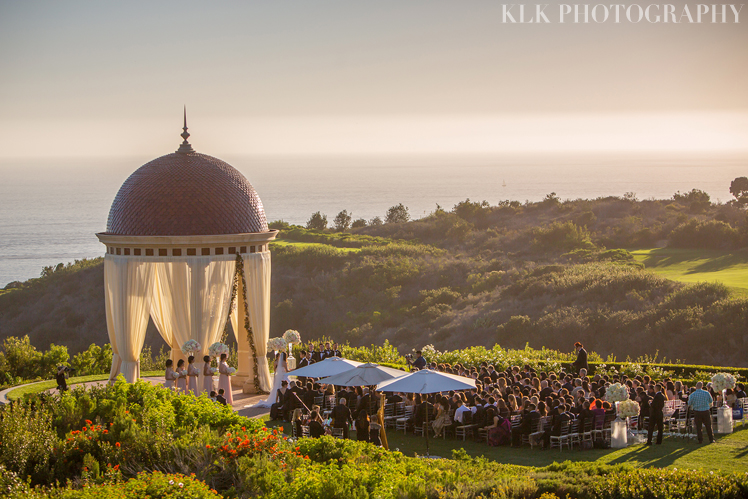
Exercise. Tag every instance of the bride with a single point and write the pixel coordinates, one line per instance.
(281, 374)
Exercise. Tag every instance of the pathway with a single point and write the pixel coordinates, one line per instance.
(240, 399)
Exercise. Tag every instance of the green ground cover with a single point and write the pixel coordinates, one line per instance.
(728, 453)
(284, 243)
(698, 265)
(42, 386)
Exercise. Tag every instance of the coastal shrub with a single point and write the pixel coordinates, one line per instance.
(561, 236)
(711, 234)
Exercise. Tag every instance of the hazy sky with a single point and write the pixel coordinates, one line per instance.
(405, 76)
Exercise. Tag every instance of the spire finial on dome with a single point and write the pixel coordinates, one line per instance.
(185, 147)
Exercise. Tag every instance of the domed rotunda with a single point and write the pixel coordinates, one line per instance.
(187, 244)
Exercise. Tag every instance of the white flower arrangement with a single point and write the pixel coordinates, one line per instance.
(722, 381)
(616, 393)
(628, 408)
(277, 344)
(292, 337)
(218, 348)
(232, 371)
(191, 347)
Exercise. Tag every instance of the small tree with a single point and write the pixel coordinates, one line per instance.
(317, 221)
(358, 223)
(375, 221)
(342, 221)
(739, 189)
(397, 214)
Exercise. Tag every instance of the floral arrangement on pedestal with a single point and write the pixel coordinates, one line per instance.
(218, 348)
(292, 337)
(191, 347)
(628, 408)
(616, 393)
(722, 381)
(277, 344)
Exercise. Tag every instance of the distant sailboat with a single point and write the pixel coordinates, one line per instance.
(503, 184)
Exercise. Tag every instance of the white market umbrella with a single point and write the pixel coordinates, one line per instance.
(363, 375)
(426, 381)
(328, 367)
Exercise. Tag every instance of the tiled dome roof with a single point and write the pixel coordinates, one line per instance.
(186, 194)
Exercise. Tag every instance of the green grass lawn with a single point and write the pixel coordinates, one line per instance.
(691, 266)
(283, 242)
(728, 453)
(42, 386)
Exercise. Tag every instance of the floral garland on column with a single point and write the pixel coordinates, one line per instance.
(239, 274)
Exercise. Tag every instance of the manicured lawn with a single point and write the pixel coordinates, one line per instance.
(283, 242)
(690, 266)
(49, 384)
(728, 453)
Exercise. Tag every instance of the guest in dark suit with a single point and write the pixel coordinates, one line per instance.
(341, 416)
(525, 425)
(581, 362)
(220, 397)
(655, 415)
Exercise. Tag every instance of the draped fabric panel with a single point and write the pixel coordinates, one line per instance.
(129, 286)
(191, 301)
(257, 273)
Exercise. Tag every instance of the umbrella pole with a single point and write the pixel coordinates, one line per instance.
(426, 428)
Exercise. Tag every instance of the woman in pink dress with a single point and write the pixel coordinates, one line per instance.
(207, 376)
(170, 375)
(182, 379)
(192, 374)
(224, 381)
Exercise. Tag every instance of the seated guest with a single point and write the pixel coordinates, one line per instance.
(213, 395)
(559, 421)
(296, 421)
(221, 399)
(280, 399)
(395, 398)
(316, 428)
(525, 426)
(362, 427)
(441, 419)
(459, 417)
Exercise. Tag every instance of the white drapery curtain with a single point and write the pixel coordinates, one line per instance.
(128, 284)
(257, 273)
(191, 300)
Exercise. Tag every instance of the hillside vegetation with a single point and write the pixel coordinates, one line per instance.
(538, 273)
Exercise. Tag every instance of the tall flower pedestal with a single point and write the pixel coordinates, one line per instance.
(724, 420)
(619, 434)
(291, 360)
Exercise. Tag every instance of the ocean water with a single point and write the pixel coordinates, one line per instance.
(51, 209)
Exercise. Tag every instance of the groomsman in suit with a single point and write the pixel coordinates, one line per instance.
(318, 355)
(336, 351)
(314, 354)
(306, 360)
(328, 351)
